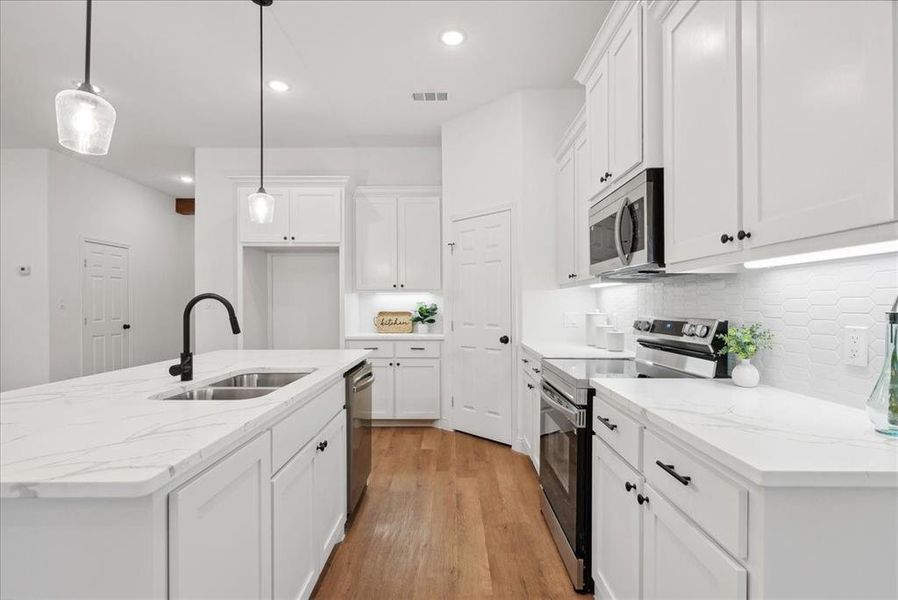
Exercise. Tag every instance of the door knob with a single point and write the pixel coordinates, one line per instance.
(504, 339)
(126, 326)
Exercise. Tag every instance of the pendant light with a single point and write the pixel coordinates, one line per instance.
(84, 120)
(261, 204)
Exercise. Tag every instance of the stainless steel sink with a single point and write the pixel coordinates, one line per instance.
(259, 380)
(222, 393)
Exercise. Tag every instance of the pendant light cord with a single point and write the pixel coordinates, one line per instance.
(261, 109)
(86, 83)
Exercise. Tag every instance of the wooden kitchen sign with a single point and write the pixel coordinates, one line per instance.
(393, 321)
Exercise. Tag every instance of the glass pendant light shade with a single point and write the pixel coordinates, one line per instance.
(84, 121)
(261, 207)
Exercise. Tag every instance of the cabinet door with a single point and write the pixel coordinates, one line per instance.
(701, 129)
(330, 485)
(418, 388)
(680, 562)
(819, 117)
(419, 244)
(295, 541)
(316, 215)
(597, 127)
(625, 91)
(564, 218)
(382, 392)
(375, 244)
(278, 231)
(220, 528)
(581, 207)
(536, 419)
(525, 410)
(616, 525)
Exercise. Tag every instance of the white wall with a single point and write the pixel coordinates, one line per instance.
(24, 300)
(806, 306)
(216, 225)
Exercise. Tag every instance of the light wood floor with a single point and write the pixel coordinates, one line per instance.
(446, 515)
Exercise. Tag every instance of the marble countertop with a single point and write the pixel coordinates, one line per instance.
(770, 436)
(569, 350)
(105, 436)
(399, 337)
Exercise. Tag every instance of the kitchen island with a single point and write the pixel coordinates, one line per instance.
(108, 490)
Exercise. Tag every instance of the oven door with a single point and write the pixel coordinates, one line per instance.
(561, 426)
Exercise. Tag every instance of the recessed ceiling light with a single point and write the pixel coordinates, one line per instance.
(278, 86)
(186, 179)
(453, 37)
(95, 88)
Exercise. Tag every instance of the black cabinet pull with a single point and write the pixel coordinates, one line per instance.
(292, 237)
(530, 386)
(126, 326)
(322, 446)
(416, 348)
(402, 285)
(607, 422)
(601, 180)
(725, 238)
(285, 238)
(642, 499)
(391, 364)
(525, 361)
(669, 469)
(629, 486)
(397, 364)
(394, 285)
(535, 370)
(743, 234)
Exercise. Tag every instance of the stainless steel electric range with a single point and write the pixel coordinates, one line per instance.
(664, 348)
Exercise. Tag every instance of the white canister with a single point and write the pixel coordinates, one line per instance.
(600, 333)
(614, 341)
(594, 319)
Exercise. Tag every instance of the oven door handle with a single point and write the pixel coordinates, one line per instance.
(574, 415)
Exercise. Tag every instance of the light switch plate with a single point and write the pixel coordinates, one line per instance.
(856, 346)
(572, 320)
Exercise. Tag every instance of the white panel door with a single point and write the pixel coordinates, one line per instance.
(581, 207)
(106, 308)
(701, 129)
(625, 87)
(819, 117)
(382, 392)
(680, 562)
(276, 232)
(219, 537)
(420, 246)
(376, 257)
(330, 485)
(417, 388)
(316, 216)
(481, 292)
(616, 525)
(294, 538)
(565, 183)
(597, 128)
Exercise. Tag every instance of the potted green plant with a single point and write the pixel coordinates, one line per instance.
(745, 342)
(424, 316)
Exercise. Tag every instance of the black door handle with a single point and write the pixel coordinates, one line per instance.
(504, 339)
(669, 469)
(126, 326)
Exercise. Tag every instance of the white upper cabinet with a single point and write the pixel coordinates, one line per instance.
(308, 211)
(581, 207)
(622, 83)
(572, 185)
(818, 117)
(564, 218)
(625, 87)
(701, 129)
(398, 241)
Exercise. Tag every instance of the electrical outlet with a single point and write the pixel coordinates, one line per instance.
(572, 320)
(856, 346)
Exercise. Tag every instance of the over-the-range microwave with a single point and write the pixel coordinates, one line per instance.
(626, 229)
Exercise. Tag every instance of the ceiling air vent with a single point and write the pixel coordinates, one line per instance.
(430, 96)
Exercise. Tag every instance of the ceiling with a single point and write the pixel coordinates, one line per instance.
(183, 74)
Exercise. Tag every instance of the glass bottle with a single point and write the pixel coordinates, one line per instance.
(882, 406)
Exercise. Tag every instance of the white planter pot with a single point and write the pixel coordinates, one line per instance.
(746, 374)
(423, 327)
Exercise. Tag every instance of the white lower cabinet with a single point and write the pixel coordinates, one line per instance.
(680, 561)
(529, 406)
(382, 391)
(417, 388)
(616, 526)
(296, 551)
(220, 528)
(330, 486)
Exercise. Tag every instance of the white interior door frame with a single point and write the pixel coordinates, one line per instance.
(447, 420)
(83, 245)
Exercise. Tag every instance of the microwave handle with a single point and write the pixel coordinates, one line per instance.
(624, 257)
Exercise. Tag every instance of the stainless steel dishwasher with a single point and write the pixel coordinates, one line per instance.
(358, 435)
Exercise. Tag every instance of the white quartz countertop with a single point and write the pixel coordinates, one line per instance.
(770, 436)
(569, 350)
(105, 436)
(399, 337)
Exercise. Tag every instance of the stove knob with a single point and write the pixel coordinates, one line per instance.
(637, 325)
(689, 329)
(701, 330)
(645, 326)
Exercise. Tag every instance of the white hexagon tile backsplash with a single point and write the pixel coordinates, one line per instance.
(806, 306)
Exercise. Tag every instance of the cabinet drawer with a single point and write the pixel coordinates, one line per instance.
(619, 431)
(379, 349)
(298, 429)
(717, 504)
(417, 349)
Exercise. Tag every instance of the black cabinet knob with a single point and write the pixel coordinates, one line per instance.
(126, 326)
(725, 238)
(504, 339)
(402, 285)
(743, 234)
(322, 446)
(525, 361)
(394, 285)
(607, 176)
(601, 180)
(530, 386)
(629, 486)
(285, 238)
(642, 499)
(292, 237)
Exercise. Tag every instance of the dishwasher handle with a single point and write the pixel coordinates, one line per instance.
(363, 382)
